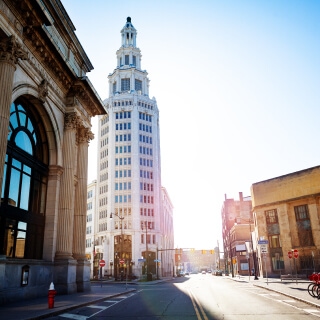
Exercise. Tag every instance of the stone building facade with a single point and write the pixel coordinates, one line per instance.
(46, 106)
(286, 212)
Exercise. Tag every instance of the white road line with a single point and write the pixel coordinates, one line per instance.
(98, 307)
(73, 316)
(311, 310)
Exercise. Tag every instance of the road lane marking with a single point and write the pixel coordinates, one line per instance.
(101, 308)
(98, 307)
(197, 304)
(73, 316)
(310, 310)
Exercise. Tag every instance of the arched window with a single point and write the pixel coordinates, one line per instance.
(24, 185)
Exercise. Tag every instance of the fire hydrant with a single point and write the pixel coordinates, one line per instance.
(51, 295)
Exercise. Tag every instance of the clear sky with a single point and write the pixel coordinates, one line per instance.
(238, 88)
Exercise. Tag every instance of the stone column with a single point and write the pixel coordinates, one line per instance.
(66, 199)
(80, 212)
(10, 52)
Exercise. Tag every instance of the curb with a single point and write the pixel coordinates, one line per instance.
(58, 312)
(288, 295)
(278, 291)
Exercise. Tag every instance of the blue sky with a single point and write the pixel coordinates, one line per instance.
(238, 88)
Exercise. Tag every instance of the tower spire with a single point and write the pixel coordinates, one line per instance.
(128, 34)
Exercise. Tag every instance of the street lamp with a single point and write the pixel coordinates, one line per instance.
(253, 252)
(121, 241)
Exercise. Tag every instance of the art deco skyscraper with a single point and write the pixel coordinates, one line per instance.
(133, 220)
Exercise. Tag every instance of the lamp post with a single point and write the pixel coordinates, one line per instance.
(121, 241)
(111, 264)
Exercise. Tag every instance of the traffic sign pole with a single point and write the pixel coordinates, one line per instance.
(102, 263)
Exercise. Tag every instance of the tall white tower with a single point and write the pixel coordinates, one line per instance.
(129, 169)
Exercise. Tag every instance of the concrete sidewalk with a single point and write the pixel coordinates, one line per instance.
(295, 289)
(38, 308)
(34, 309)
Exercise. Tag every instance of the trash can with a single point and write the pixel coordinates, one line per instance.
(149, 276)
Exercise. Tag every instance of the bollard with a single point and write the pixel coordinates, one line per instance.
(51, 295)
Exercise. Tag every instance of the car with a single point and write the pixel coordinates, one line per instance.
(186, 273)
(181, 274)
(217, 273)
(203, 272)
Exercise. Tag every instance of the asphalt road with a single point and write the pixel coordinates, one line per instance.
(196, 297)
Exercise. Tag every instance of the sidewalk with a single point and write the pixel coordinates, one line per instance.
(295, 289)
(38, 308)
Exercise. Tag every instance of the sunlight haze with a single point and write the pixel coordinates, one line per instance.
(237, 85)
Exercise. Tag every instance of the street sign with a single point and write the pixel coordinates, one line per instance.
(295, 253)
(290, 254)
(264, 248)
(157, 260)
(263, 241)
(141, 260)
(121, 261)
(102, 263)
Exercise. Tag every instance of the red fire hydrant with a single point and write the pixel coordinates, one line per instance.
(51, 295)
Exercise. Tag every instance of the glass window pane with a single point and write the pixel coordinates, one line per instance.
(14, 186)
(22, 118)
(30, 126)
(19, 107)
(34, 138)
(17, 164)
(9, 237)
(20, 244)
(22, 141)
(25, 191)
(22, 225)
(14, 120)
(26, 169)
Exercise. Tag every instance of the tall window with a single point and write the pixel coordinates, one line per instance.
(303, 225)
(24, 185)
(114, 87)
(138, 85)
(125, 84)
(273, 230)
(271, 216)
(126, 59)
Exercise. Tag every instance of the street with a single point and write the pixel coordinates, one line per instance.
(198, 296)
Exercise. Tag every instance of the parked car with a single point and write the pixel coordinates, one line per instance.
(203, 272)
(181, 274)
(217, 273)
